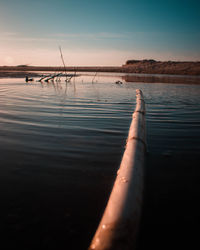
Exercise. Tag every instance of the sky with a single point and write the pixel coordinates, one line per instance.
(98, 33)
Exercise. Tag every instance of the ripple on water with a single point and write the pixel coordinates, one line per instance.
(61, 146)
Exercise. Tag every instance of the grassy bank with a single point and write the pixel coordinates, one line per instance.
(158, 67)
(131, 66)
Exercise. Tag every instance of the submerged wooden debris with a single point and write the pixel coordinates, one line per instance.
(57, 77)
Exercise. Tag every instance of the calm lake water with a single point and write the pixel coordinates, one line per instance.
(61, 145)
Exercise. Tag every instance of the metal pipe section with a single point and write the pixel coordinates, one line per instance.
(119, 225)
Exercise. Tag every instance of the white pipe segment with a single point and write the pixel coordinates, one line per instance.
(119, 225)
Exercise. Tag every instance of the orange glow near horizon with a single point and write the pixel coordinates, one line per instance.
(47, 57)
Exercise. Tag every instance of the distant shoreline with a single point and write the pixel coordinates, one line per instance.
(131, 66)
(16, 72)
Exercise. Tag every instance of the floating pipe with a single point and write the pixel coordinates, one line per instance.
(120, 222)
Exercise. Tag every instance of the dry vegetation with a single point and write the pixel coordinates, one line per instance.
(157, 67)
(131, 66)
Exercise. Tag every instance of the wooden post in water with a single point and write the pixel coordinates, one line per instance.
(119, 225)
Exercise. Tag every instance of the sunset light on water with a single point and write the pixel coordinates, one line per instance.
(73, 76)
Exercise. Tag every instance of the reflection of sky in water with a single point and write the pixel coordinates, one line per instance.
(61, 145)
(98, 103)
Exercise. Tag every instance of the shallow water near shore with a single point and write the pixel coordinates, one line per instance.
(61, 145)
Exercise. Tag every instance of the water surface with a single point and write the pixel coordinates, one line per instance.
(61, 145)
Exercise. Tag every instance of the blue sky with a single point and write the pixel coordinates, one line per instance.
(98, 32)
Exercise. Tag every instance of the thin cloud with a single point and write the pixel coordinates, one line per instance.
(28, 39)
(61, 37)
(9, 34)
(100, 35)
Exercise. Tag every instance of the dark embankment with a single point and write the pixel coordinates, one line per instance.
(131, 66)
(17, 74)
(157, 67)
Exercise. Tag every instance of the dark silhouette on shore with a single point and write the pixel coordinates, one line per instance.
(131, 66)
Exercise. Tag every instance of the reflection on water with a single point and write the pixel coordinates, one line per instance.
(61, 144)
(161, 79)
